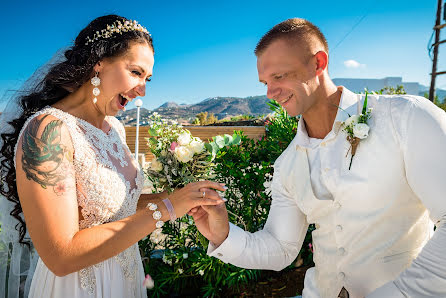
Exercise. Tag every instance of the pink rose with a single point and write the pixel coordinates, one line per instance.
(173, 146)
(148, 282)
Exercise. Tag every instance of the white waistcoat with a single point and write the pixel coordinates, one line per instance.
(364, 240)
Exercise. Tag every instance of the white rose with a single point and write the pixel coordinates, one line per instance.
(351, 120)
(184, 139)
(361, 130)
(156, 165)
(183, 154)
(197, 146)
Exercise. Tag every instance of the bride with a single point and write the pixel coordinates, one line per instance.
(69, 179)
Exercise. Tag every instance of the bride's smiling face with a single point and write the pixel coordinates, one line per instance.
(123, 78)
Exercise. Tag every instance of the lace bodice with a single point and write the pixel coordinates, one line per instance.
(108, 180)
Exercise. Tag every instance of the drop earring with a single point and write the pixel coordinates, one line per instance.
(96, 81)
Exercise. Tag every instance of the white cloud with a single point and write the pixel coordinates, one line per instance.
(353, 64)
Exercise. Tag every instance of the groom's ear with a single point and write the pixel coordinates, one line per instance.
(321, 62)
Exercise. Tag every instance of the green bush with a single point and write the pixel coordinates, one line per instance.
(177, 260)
(242, 117)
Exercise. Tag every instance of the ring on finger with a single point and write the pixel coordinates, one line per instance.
(204, 194)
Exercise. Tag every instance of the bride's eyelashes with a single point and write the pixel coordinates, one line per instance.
(139, 74)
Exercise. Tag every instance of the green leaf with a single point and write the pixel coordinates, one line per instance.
(220, 141)
(228, 140)
(215, 148)
(153, 141)
(208, 147)
(236, 140)
(204, 242)
(364, 107)
(153, 132)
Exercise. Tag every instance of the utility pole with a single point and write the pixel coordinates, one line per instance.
(434, 73)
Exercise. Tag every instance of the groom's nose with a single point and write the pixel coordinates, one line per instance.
(272, 92)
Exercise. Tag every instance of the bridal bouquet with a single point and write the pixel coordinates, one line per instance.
(180, 158)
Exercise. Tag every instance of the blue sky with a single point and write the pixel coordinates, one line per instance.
(205, 48)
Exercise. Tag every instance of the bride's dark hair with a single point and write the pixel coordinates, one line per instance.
(61, 79)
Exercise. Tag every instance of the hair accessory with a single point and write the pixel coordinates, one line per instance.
(116, 28)
(96, 81)
(156, 214)
(170, 209)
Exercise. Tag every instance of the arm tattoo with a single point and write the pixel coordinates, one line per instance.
(45, 160)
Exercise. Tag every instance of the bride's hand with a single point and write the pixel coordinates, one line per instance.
(192, 195)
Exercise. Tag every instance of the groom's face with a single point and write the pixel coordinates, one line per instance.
(286, 70)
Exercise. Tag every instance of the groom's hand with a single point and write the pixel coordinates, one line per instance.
(212, 222)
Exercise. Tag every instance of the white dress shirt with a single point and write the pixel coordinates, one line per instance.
(373, 221)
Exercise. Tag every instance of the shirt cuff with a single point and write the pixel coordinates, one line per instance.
(232, 247)
(387, 290)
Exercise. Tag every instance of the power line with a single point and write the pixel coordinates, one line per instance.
(430, 45)
(354, 26)
(348, 33)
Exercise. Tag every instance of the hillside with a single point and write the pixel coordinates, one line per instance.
(221, 107)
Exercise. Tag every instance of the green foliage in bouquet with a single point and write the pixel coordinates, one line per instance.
(178, 260)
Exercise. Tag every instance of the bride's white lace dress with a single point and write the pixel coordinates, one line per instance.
(109, 183)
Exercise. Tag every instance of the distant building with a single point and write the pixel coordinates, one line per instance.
(358, 85)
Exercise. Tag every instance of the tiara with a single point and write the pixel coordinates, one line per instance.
(115, 28)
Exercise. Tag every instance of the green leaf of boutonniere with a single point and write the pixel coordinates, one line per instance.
(364, 106)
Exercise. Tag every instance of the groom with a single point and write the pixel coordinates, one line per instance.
(374, 221)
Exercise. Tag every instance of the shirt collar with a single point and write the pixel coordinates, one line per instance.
(348, 106)
(302, 138)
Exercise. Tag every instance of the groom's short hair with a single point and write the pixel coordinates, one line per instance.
(295, 31)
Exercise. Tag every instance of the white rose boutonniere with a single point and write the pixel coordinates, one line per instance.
(361, 130)
(351, 120)
(357, 128)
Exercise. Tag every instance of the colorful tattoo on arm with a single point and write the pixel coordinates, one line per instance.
(45, 159)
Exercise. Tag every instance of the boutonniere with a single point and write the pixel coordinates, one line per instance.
(357, 129)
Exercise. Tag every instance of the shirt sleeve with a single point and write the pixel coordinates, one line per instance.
(421, 127)
(277, 244)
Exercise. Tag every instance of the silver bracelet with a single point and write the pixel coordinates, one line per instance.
(156, 214)
(170, 209)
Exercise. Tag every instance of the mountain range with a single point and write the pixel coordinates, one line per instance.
(423, 90)
(221, 107)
